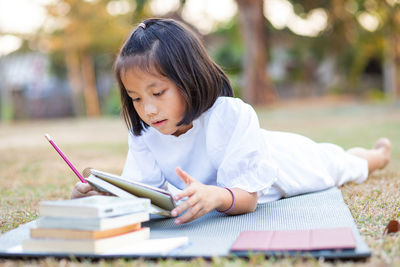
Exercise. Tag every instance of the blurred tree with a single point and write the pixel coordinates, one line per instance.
(226, 48)
(337, 40)
(352, 45)
(87, 28)
(389, 12)
(257, 85)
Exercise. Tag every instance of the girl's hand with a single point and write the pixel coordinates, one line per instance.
(201, 199)
(84, 190)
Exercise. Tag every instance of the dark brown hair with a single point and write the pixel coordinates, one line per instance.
(168, 48)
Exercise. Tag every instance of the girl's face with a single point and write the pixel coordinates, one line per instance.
(157, 101)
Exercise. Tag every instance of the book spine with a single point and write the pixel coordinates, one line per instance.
(54, 210)
(106, 244)
(141, 206)
(85, 246)
(81, 234)
(91, 223)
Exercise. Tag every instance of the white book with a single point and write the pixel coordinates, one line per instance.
(85, 245)
(95, 223)
(93, 206)
(158, 246)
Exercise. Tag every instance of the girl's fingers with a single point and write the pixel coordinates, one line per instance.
(93, 193)
(183, 175)
(188, 204)
(83, 188)
(192, 214)
(188, 192)
(80, 190)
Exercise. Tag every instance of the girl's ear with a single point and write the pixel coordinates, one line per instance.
(184, 176)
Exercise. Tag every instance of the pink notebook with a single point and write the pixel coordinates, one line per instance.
(295, 240)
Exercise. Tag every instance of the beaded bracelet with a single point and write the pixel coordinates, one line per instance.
(233, 201)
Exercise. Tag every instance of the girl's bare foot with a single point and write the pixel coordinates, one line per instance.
(385, 147)
(378, 157)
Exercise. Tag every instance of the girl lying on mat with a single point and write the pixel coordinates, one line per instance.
(187, 129)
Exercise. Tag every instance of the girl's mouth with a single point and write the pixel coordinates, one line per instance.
(159, 123)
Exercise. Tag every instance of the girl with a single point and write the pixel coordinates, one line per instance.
(181, 114)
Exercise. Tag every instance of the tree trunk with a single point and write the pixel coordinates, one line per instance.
(396, 50)
(258, 87)
(91, 97)
(76, 83)
(391, 66)
(6, 105)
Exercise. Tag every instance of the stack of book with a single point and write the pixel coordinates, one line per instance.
(96, 224)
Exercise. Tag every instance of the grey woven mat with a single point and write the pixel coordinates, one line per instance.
(214, 233)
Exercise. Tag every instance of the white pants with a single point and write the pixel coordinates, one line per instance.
(306, 166)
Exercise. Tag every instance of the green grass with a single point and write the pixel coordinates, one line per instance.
(30, 171)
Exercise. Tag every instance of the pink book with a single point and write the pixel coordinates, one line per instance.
(336, 238)
(295, 240)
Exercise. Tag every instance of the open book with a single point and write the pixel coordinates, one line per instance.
(162, 201)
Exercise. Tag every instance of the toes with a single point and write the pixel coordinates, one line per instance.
(383, 143)
(385, 146)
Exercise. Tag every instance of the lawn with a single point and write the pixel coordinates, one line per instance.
(31, 171)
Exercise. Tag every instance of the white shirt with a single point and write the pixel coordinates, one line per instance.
(225, 147)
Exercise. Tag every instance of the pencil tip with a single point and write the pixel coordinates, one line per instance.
(47, 137)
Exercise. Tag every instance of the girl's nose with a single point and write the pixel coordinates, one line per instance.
(150, 109)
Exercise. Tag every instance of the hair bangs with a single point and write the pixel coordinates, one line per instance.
(144, 62)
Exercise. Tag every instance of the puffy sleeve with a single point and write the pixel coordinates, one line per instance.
(140, 165)
(237, 148)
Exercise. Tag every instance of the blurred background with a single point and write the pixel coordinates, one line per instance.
(56, 56)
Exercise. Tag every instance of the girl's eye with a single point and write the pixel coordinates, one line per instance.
(135, 99)
(158, 93)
